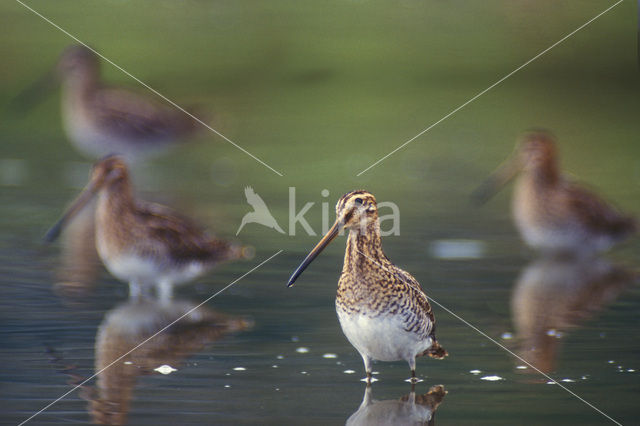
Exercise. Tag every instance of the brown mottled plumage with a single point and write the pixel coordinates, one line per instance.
(142, 243)
(383, 311)
(551, 212)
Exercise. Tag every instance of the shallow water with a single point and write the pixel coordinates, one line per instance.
(320, 93)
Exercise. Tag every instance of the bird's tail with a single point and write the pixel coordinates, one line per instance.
(436, 351)
(237, 251)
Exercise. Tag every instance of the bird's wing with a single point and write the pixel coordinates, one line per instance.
(421, 318)
(183, 239)
(131, 115)
(594, 213)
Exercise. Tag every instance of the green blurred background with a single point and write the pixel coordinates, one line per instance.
(320, 90)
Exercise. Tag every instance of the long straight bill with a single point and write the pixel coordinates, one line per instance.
(83, 199)
(33, 94)
(499, 178)
(324, 242)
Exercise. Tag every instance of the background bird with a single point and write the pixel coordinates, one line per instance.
(552, 212)
(143, 243)
(101, 120)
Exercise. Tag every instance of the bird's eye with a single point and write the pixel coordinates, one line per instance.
(358, 201)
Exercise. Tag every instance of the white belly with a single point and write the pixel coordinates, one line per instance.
(130, 267)
(84, 135)
(566, 237)
(382, 338)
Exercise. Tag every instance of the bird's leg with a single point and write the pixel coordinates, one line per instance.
(139, 290)
(367, 398)
(367, 367)
(135, 290)
(165, 291)
(412, 366)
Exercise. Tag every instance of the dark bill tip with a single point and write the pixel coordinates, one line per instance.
(484, 192)
(324, 242)
(53, 233)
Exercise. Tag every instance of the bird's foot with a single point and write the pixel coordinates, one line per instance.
(369, 379)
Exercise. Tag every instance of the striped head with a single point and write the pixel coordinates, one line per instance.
(536, 149)
(355, 211)
(77, 61)
(108, 170)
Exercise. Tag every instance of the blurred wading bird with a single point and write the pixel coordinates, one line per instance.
(551, 212)
(102, 120)
(143, 243)
(383, 311)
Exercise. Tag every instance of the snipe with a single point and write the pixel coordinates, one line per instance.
(142, 243)
(101, 120)
(552, 213)
(383, 311)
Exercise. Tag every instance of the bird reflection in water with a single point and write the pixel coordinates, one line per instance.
(411, 409)
(79, 263)
(553, 213)
(556, 294)
(130, 324)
